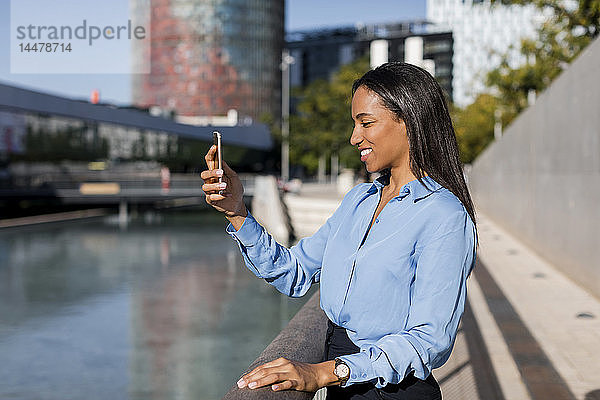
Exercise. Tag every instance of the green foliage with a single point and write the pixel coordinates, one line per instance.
(323, 123)
(560, 39)
(474, 126)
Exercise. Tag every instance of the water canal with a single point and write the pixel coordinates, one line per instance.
(161, 309)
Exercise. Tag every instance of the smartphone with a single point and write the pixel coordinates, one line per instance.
(219, 157)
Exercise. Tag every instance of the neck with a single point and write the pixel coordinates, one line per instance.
(399, 177)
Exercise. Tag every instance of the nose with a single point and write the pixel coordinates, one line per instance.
(355, 138)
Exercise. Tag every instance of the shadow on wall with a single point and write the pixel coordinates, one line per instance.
(593, 395)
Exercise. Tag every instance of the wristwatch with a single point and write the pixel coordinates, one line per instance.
(342, 371)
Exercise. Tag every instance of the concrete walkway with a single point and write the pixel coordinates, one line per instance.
(310, 208)
(528, 332)
(562, 317)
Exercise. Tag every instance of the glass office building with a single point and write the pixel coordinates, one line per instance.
(211, 56)
(319, 53)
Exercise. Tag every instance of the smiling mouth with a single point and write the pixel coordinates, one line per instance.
(364, 154)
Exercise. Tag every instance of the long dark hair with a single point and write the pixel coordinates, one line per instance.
(415, 97)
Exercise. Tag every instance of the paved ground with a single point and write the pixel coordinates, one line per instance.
(528, 331)
(562, 318)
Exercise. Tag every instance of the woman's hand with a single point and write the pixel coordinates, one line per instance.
(283, 374)
(226, 197)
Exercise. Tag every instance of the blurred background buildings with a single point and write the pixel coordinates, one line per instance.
(217, 64)
(210, 57)
(319, 53)
(482, 33)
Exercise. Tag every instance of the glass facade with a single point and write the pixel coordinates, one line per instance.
(210, 56)
(319, 53)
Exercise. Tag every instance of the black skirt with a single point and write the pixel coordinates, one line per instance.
(337, 343)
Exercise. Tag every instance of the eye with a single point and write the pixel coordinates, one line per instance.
(366, 124)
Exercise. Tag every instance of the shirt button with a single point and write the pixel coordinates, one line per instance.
(377, 220)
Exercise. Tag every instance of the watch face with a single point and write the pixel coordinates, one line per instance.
(342, 371)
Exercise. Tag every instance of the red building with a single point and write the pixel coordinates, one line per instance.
(210, 56)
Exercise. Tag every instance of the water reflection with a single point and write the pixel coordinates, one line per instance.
(161, 310)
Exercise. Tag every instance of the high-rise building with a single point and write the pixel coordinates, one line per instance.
(211, 56)
(319, 53)
(482, 33)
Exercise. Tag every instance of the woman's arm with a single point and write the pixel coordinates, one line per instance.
(237, 220)
(283, 374)
(437, 303)
(292, 271)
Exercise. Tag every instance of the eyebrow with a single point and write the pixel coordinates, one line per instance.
(360, 115)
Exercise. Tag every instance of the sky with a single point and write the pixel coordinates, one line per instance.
(301, 14)
(115, 88)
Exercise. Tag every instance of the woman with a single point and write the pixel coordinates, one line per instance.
(392, 260)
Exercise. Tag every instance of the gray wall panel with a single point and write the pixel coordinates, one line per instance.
(541, 180)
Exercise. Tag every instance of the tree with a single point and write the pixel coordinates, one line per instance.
(474, 126)
(560, 39)
(322, 124)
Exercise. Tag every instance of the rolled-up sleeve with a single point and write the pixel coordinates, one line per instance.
(291, 271)
(438, 297)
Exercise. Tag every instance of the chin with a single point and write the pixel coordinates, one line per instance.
(372, 169)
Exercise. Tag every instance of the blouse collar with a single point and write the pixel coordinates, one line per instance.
(413, 187)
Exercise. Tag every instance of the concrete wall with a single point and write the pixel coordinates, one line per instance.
(541, 180)
(269, 210)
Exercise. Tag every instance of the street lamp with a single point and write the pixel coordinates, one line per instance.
(497, 124)
(286, 61)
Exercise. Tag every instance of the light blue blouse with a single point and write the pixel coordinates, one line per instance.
(400, 294)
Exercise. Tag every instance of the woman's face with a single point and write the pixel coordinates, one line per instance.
(381, 139)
